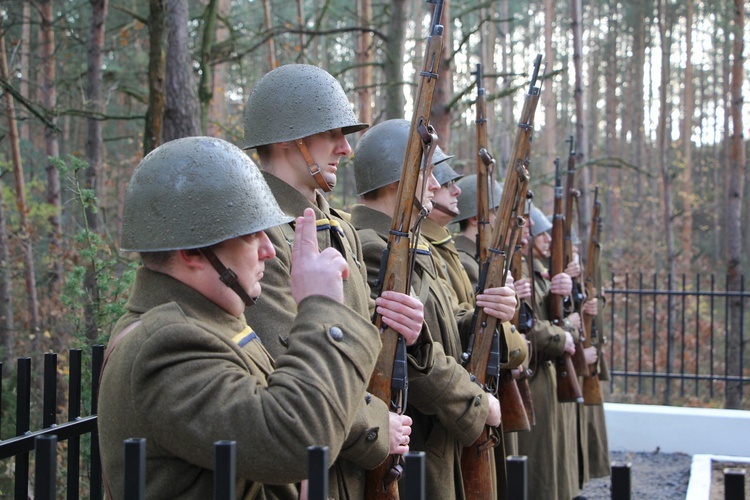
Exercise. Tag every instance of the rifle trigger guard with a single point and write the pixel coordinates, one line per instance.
(493, 440)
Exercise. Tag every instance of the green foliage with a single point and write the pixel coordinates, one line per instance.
(98, 280)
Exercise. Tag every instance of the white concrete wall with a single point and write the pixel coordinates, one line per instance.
(677, 430)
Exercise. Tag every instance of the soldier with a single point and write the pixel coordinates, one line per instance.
(184, 370)
(297, 118)
(466, 240)
(551, 446)
(449, 410)
(444, 209)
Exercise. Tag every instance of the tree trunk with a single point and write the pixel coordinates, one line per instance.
(734, 212)
(548, 142)
(639, 101)
(94, 153)
(393, 68)
(441, 111)
(687, 131)
(24, 234)
(666, 183)
(23, 86)
(364, 62)
(614, 178)
(51, 147)
(180, 109)
(153, 134)
(6, 299)
(506, 128)
(206, 87)
(582, 146)
(270, 44)
(217, 112)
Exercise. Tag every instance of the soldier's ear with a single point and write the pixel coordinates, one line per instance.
(191, 258)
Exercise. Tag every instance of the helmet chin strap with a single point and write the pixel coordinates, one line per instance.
(227, 276)
(313, 167)
(442, 208)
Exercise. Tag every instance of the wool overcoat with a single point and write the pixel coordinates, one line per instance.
(189, 374)
(367, 445)
(448, 409)
(551, 446)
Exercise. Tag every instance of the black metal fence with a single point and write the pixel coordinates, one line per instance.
(668, 339)
(70, 433)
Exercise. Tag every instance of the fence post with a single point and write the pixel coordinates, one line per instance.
(23, 422)
(97, 358)
(225, 469)
(518, 477)
(317, 472)
(414, 473)
(621, 481)
(74, 411)
(45, 470)
(734, 484)
(135, 469)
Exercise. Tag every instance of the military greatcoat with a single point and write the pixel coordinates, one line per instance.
(551, 446)
(368, 444)
(449, 410)
(189, 374)
(467, 251)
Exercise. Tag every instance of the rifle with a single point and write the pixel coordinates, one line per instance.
(592, 392)
(511, 403)
(567, 380)
(388, 381)
(482, 356)
(576, 297)
(524, 322)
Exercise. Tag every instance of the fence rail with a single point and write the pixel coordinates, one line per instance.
(671, 339)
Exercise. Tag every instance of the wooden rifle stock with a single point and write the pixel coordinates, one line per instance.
(482, 357)
(592, 392)
(568, 389)
(511, 403)
(381, 482)
(576, 296)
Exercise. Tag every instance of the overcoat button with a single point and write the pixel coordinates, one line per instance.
(556, 338)
(478, 401)
(368, 398)
(372, 435)
(336, 333)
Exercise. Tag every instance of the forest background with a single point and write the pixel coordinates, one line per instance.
(651, 90)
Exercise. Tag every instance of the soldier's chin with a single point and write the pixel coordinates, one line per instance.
(331, 180)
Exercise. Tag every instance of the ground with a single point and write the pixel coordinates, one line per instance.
(657, 476)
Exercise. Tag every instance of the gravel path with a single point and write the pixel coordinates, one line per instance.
(657, 476)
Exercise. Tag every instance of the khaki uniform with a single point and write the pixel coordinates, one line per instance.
(448, 409)
(190, 374)
(596, 425)
(441, 241)
(367, 445)
(467, 250)
(551, 446)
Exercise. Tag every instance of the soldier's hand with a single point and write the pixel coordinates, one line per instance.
(561, 284)
(591, 307)
(315, 272)
(523, 288)
(590, 355)
(499, 302)
(494, 417)
(575, 320)
(403, 313)
(573, 269)
(570, 346)
(400, 427)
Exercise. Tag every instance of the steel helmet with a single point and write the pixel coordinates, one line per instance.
(379, 155)
(467, 200)
(541, 222)
(195, 192)
(296, 101)
(443, 172)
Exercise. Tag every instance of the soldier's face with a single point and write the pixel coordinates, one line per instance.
(542, 244)
(431, 186)
(447, 196)
(246, 256)
(326, 149)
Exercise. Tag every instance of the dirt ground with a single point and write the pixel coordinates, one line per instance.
(653, 476)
